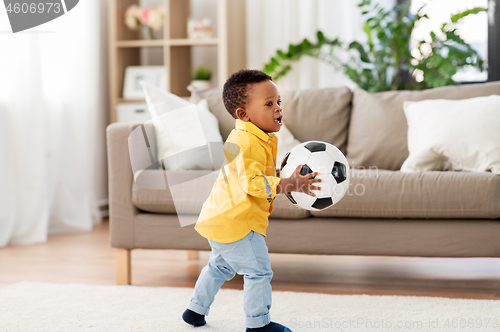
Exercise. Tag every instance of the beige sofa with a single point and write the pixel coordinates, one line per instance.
(386, 212)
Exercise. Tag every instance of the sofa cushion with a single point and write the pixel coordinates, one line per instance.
(318, 114)
(453, 134)
(431, 195)
(313, 114)
(183, 130)
(377, 134)
(216, 106)
(150, 191)
(187, 191)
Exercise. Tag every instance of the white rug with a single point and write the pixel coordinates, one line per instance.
(36, 306)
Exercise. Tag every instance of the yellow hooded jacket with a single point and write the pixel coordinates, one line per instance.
(243, 194)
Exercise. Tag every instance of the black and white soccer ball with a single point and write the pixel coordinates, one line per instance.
(325, 158)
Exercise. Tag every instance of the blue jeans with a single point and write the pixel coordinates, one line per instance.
(248, 257)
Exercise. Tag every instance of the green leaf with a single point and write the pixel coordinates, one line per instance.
(368, 32)
(451, 35)
(282, 55)
(286, 69)
(298, 49)
(458, 16)
(459, 49)
(306, 44)
(364, 3)
(268, 68)
(433, 36)
(321, 37)
(362, 53)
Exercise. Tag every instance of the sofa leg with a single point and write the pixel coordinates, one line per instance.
(192, 255)
(123, 266)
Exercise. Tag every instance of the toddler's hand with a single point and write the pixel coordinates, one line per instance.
(300, 183)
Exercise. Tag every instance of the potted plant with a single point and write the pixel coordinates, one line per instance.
(386, 61)
(201, 77)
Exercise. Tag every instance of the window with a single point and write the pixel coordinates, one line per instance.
(480, 31)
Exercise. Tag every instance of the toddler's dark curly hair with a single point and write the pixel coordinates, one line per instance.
(235, 89)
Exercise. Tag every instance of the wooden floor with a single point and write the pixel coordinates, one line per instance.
(87, 258)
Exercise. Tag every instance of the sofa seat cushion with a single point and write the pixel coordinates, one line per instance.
(430, 195)
(187, 191)
(377, 134)
(284, 209)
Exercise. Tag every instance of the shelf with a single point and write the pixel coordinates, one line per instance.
(171, 42)
(174, 50)
(140, 43)
(121, 100)
(193, 42)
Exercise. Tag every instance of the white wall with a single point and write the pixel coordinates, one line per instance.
(101, 162)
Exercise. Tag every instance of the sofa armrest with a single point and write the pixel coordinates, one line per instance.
(121, 209)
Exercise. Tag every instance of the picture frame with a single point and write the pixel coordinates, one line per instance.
(155, 75)
(199, 28)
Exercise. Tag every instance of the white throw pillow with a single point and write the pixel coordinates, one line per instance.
(286, 141)
(184, 131)
(453, 135)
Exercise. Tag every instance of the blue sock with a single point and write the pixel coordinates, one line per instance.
(193, 318)
(271, 327)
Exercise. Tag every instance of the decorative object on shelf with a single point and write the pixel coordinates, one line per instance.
(386, 61)
(132, 112)
(155, 75)
(149, 19)
(199, 28)
(201, 78)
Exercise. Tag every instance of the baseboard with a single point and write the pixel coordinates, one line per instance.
(103, 207)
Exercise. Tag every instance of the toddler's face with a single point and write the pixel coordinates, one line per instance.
(263, 106)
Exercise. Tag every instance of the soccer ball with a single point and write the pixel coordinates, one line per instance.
(316, 156)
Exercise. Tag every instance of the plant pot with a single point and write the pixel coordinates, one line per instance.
(200, 84)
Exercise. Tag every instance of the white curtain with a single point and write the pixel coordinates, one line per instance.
(274, 24)
(53, 88)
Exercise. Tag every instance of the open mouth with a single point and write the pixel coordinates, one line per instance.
(278, 120)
